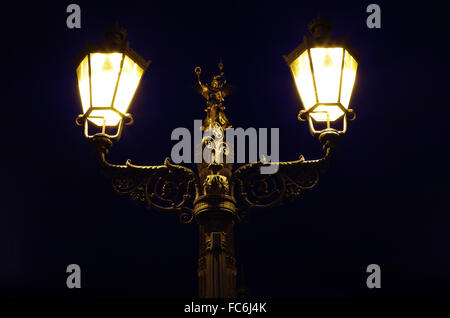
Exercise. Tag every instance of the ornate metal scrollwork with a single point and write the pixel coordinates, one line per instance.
(256, 191)
(168, 187)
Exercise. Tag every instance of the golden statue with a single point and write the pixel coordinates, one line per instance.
(214, 93)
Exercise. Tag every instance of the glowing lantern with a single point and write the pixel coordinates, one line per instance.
(324, 71)
(108, 77)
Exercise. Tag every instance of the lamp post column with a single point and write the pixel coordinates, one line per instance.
(215, 214)
(215, 206)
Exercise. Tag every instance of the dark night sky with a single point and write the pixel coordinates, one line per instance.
(384, 199)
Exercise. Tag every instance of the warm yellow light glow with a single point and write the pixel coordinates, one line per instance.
(108, 117)
(303, 79)
(105, 68)
(327, 63)
(326, 74)
(105, 77)
(128, 83)
(348, 78)
(83, 84)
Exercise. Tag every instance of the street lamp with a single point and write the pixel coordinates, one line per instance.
(108, 76)
(324, 71)
(216, 197)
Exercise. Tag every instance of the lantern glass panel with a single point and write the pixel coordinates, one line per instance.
(327, 66)
(128, 83)
(107, 117)
(348, 78)
(105, 68)
(83, 83)
(301, 69)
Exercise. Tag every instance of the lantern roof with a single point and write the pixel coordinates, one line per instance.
(320, 29)
(115, 40)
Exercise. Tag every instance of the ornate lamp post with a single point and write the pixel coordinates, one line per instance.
(216, 197)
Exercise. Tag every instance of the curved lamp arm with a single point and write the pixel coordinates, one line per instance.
(256, 191)
(166, 188)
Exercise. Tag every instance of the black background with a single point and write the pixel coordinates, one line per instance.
(384, 199)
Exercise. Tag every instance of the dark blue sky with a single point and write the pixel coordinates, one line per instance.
(384, 199)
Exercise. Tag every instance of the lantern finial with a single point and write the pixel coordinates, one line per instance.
(320, 27)
(115, 35)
